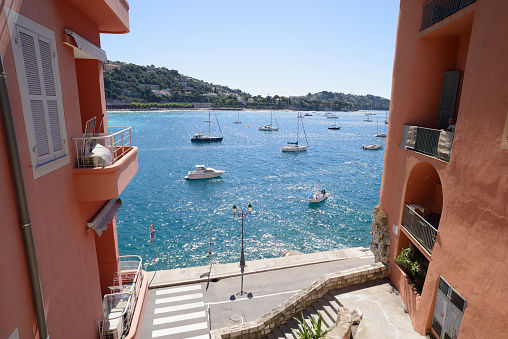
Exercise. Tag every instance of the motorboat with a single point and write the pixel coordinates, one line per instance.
(268, 127)
(295, 146)
(367, 119)
(318, 196)
(203, 172)
(307, 115)
(330, 115)
(372, 147)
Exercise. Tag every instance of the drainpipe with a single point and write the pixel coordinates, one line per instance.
(24, 217)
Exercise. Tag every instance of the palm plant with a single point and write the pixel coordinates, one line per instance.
(312, 331)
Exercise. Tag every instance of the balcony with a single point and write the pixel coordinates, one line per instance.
(106, 163)
(432, 142)
(423, 230)
(112, 16)
(119, 306)
(437, 10)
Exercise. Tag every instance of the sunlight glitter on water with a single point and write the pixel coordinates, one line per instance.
(275, 183)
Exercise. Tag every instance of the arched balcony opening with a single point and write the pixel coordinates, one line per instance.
(423, 203)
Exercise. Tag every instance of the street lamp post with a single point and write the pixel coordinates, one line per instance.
(242, 215)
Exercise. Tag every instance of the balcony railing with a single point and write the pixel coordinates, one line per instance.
(119, 307)
(420, 228)
(437, 10)
(432, 142)
(104, 149)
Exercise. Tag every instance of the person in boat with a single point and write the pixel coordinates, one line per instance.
(323, 192)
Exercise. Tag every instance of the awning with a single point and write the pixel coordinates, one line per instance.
(84, 49)
(101, 220)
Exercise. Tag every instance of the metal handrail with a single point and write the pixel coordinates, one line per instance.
(103, 149)
(437, 10)
(422, 230)
(432, 142)
(123, 302)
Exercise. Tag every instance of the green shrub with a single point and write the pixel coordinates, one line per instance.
(314, 331)
(414, 266)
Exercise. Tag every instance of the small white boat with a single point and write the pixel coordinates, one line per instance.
(367, 119)
(318, 196)
(330, 115)
(380, 135)
(270, 127)
(237, 121)
(295, 146)
(203, 172)
(372, 147)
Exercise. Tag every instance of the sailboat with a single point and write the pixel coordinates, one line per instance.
(373, 147)
(199, 137)
(386, 118)
(380, 135)
(237, 121)
(295, 146)
(270, 127)
(334, 126)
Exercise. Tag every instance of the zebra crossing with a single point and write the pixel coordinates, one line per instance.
(179, 312)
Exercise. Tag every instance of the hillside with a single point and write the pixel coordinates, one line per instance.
(129, 85)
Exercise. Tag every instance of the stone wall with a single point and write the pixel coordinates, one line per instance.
(296, 304)
(380, 243)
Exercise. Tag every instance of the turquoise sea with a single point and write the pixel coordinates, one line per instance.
(185, 212)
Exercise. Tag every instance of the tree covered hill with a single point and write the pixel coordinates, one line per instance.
(136, 86)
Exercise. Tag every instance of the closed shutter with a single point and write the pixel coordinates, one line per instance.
(37, 54)
(449, 309)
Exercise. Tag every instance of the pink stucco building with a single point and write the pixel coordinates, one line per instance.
(446, 193)
(62, 168)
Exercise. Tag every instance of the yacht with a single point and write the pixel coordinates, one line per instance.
(203, 172)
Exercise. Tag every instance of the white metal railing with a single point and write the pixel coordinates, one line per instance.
(103, 149)
(118, 308)
(420, 228)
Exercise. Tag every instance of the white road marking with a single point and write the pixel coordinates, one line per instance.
(179, 298)
(181, 317)
(179, 329)
(178, 307)
(178, 289)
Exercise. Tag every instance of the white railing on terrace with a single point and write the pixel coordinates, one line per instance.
(420, 228)
(104, 149)
(118, 308)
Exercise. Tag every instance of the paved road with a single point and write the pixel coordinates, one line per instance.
(181, 311)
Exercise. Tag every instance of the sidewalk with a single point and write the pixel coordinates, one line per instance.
(200, 274)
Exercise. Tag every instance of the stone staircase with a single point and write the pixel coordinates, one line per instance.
(326, 306)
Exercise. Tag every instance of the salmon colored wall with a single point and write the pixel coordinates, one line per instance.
(91, 91)
(471, 248)
(421, 188)
(66, 254)
(107, 256)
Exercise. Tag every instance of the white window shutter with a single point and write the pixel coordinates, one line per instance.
(40, 76)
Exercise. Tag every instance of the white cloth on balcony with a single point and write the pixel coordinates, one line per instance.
(444, 145)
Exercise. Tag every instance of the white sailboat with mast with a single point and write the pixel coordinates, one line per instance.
(270, 126)
(295, 146)
(200, 137)
(373, 147)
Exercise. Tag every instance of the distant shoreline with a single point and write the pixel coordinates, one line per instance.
(216, 109)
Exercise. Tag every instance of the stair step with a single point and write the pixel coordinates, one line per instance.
(271, 336)
(306, 317)
(332, 314)
(327, 321)
(287, 332)
(294, 325)
(336, 295)
(279, 333)
(333, 302)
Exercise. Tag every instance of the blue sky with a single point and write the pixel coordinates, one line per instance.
(266, 47)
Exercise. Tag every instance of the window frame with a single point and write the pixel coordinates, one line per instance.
(57, 159)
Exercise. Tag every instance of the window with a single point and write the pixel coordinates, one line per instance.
(39, 84)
